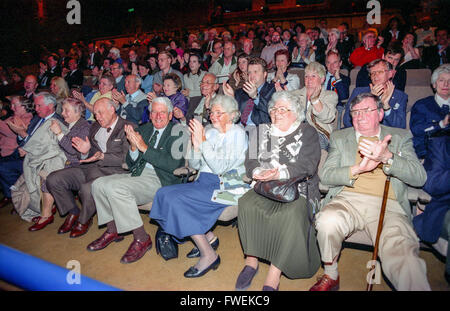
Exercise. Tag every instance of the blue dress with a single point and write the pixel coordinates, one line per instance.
(186, 209)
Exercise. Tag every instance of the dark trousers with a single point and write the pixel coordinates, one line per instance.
(11, 167)
(63, 183)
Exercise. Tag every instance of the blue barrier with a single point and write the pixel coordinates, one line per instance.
(31, 273)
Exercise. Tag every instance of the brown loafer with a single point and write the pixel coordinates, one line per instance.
(103, 241)
(136, 250)
(38, 226)
(68, 224)
(325, 283)
(79, 229)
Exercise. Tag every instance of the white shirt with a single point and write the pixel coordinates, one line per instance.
(102, 136)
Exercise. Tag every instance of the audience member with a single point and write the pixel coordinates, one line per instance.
(436, 55)
(190, 210)
(226, 64)
(164, 63)
(368, 51)
(286, 148)
(359, 160)
(193, 78)
(319, 105)
(73, 75)
(283, 80)
(151, 164)
(103, 153)
(255, 95)
(303, 53)
(268, 51)
(394, 101)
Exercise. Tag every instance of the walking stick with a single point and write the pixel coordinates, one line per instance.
(380, 228)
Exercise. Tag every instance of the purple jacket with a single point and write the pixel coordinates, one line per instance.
(180, 101)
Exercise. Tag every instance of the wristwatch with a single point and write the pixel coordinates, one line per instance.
(391, 160)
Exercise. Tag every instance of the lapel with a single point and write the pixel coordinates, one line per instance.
(94, 129)
(165, 135)
(115, 132)
(350, 147)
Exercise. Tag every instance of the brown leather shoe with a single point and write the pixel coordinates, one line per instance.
(5, 201)
(68, 224)
(103, 241)
(38, 226)
(136, 250)
(79, 229)
(325, 283)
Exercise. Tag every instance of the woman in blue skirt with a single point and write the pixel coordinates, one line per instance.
(190, 210)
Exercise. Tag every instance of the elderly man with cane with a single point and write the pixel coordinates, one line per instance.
(359, 160)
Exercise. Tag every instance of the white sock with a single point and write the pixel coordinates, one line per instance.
(331, 270)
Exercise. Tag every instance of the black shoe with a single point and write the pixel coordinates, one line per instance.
(194, 273)
(196, 253)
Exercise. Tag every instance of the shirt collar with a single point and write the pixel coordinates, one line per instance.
(49, 116)
(358, 135)
(440, 101)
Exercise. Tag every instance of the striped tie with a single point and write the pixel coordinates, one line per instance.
(246, 113)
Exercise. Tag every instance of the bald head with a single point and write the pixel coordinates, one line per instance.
(105, 112)
(30, 84)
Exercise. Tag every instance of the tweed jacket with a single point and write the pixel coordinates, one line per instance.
(405, 169)
(116, 151)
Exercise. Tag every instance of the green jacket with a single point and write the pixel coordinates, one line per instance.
(160, 157)
(405, 170)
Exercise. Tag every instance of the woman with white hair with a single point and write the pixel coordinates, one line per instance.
(430, 125)
(191, 210)
(318, 104)
(281, 233)
(303, 53)
(72, 110)
(333, 39)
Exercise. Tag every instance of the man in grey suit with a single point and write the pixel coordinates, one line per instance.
(103, 153)
(358, 162)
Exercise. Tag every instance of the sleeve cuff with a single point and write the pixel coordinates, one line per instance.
(134, 154)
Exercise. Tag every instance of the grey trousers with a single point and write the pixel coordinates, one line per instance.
(117, 198)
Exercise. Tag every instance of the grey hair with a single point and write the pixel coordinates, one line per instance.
(359, 98)
(336, 32)
(109, 101)
(48, 98)
(291, 99)
(308, 39)
(228, 104)
(27, 104)
(115, 51)
(317, 68)
(162, 100)
(77, 105)
(444, 68)
(137, 78)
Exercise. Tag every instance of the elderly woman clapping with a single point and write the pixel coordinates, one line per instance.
(319, 104)
(72, 110)
(190, 210)
(303, 53)
(281, 233)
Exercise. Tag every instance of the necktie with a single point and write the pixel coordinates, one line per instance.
(246, 113)
(152, 140)
(444, 57)
(139, 167)
(329, 84)
(108, 130)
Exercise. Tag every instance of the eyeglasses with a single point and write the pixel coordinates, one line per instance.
(216, 113)
(376, 73)
(280, 110)
(361, 112)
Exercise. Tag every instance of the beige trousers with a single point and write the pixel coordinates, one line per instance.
(349, 212)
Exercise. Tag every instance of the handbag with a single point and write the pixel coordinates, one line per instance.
(282, 190)
(165, 245)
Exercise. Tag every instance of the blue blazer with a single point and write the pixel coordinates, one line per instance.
(342, 88)
(425, 117)
(397, 115)
(260, 113)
